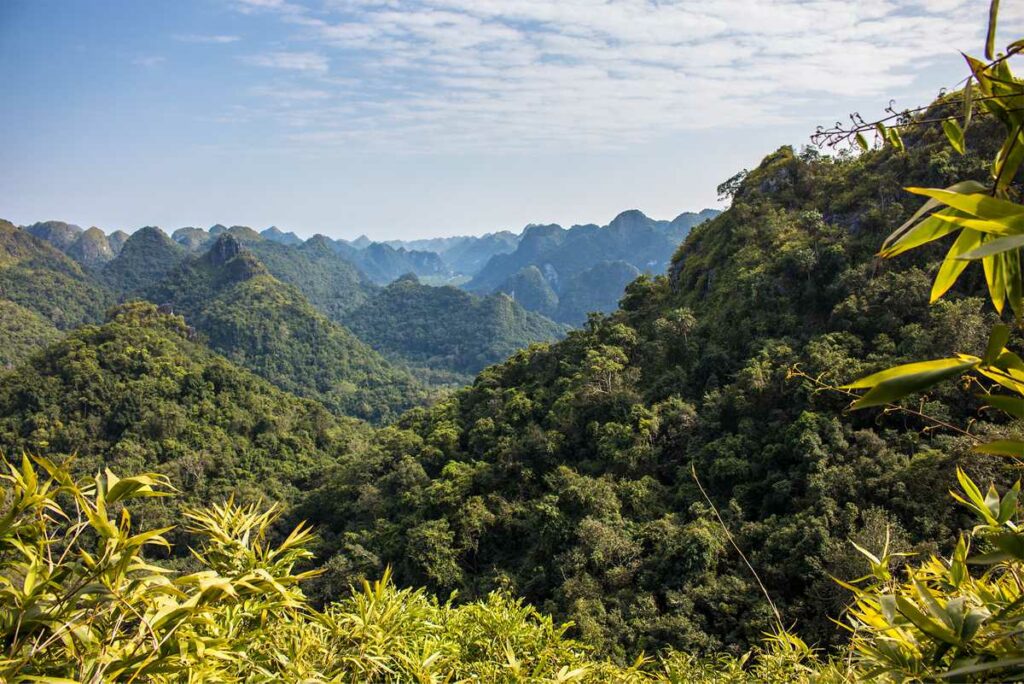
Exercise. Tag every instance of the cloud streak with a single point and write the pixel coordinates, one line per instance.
(290, 61)
(204, 39)
(471, 74)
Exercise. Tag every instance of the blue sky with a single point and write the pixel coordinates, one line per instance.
(402, 119)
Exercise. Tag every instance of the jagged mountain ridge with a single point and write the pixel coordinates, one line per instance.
(564, 255)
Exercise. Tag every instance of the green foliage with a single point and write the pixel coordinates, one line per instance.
(594, 289)
(563, 474)
(268, 327)
(147, 256)
(83, 600)
(332, 284)
(84, 603)
(22, 332)
(138, 393)
(990, 227)
(446, 328)
(944, 620)
(35, 276)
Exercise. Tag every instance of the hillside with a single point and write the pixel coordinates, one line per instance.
(146, 256)
(139, 393)
(270, 328)
(592, 290)
(22, 333)
(91, 249)
(331, 283)
(58, 233)
(446, 328)
(37, 277)
(529, 288)
(564, 474)
(561, 255)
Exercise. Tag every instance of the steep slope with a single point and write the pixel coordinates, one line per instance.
(566, 473)
(58, 233)
(138, 394)
(146, 257)
(330, 282)
(91, 249)
(22, 333)
(531, 290)
(446, 328)
(191, 238)
(592, 289)
(679, 227)
(244, 234)
(34, 275)
(270, 328)
(116, 241)
(562, 255)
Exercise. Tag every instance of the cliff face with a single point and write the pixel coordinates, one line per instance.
(91, 249)
(59, 234)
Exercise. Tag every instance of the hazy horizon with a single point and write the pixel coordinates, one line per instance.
(305, 235)
(410, 120)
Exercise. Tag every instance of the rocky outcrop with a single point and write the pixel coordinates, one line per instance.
(91, 249)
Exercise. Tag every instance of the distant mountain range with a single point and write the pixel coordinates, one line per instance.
(336, 320)
(567, 273)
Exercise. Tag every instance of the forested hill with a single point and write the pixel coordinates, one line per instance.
(564, 474)
(271, 328)
(146, 256)
(331, 283)
(37, 277)
(446, 328)
(138, 393)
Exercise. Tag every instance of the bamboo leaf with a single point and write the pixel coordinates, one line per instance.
(990, 36)
(954, 134)
(930, 205)
(1012, 405)
(894, 389)
(912, 369)
(975, 203)
(951, 266)
(1002, 447)
(997, 340)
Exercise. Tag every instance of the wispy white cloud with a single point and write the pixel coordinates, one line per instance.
(287, 94)
(290, 61)
(252, 6)
(148, 60)
(206, 39)
(454, 74)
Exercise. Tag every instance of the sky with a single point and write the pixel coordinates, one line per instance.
(403, 119)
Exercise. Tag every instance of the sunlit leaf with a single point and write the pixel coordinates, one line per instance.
(954, 134)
